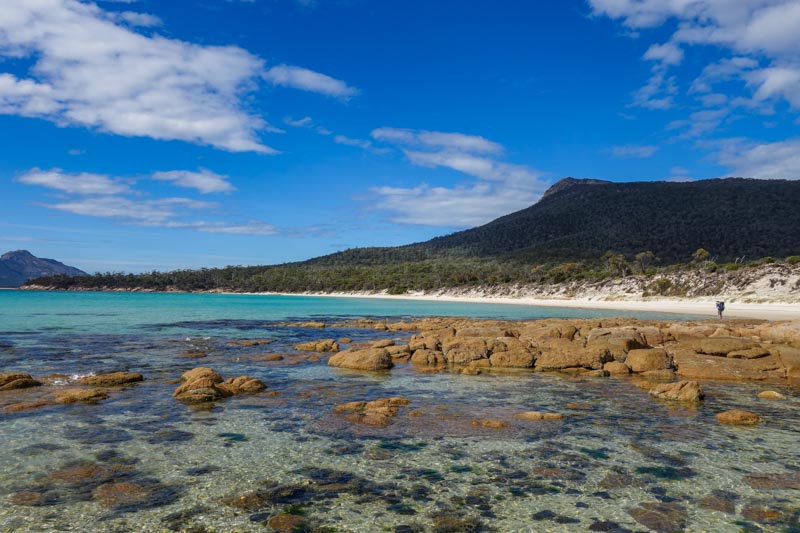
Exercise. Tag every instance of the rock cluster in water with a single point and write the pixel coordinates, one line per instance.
(735, 350)
(201, 385)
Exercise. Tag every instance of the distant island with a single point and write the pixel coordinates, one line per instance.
(19, 266)
(670, 238)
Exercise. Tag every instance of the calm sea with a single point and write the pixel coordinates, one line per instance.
(140, 461)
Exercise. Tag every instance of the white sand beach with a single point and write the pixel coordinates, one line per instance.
(705, 306)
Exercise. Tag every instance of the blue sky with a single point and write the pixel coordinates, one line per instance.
(141, 135)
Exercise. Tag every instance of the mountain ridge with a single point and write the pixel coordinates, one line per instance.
(18, 266)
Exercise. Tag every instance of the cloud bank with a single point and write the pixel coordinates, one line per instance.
(89, 67)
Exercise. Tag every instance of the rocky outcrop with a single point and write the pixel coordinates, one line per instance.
(536, 415)
(17, 380)
(372, 359)
(202, 385)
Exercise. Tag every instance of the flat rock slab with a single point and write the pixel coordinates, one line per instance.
(738, 417)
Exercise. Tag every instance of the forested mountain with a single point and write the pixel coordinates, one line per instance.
(580, 229)
(579, 220)
(19, 266)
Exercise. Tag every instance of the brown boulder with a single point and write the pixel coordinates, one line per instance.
(738, 417)
(557, 354)
(462, 350)
(253, 342)
(698, 366)
(242, 385)
(750, 353)
(112, 379)
(615, 368)
(684, 391)
(369, 359)
(648, 359)
(90, 396)
(722, 346)
(515, 358)
(375, 413)
(324, 345)
(426, 357)
(17, 380)
(201, 372)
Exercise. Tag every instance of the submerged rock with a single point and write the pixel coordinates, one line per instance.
(683, 391)
(661, 516)
(324, 345)
(114, 378)
(17, 380)
(378, 412)
(287, 523)
(771, 395)
(536, 415)
(738, 417)
(489, 423)
(117, 495)
(90, 396)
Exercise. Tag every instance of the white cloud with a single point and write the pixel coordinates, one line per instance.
(630, 151)
(759, 41)
(667, 54)
(348, 141)
(139, 212)
(437, 140)
(90, 71)
(778, 160)
(308, 123)
(144, 20)
(203, 180)
(495, 187)
(100, 196)
(87, 68)
(83, 183)
(308, 80)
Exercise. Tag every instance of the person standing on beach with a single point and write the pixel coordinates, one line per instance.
(720, 309)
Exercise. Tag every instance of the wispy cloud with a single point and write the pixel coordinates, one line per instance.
(114, 198)
(494, 188)
(348, 141)
(204, 180)
(308, 80)
(83, 183)
(437, 140)
(90, 67)
(632, 151)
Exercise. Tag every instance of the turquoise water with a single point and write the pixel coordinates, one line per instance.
(620, 461)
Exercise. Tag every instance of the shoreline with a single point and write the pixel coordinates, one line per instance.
(766, 311)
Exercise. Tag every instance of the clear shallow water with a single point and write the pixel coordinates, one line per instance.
(616, 455)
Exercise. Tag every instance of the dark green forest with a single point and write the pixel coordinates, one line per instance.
(580, 229)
